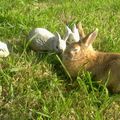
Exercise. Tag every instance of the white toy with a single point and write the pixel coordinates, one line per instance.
(4, 52)
(73, 35)
(43, 40)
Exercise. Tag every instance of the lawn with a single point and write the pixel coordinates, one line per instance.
(35, 86)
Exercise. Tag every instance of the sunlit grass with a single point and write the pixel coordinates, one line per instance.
(36, 86)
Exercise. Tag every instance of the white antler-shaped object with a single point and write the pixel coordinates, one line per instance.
(76, 33)
(68, 32)
(72, 35)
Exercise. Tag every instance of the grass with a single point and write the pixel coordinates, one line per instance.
(35, 86)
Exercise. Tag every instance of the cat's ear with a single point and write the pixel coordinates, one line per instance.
(88, 40)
